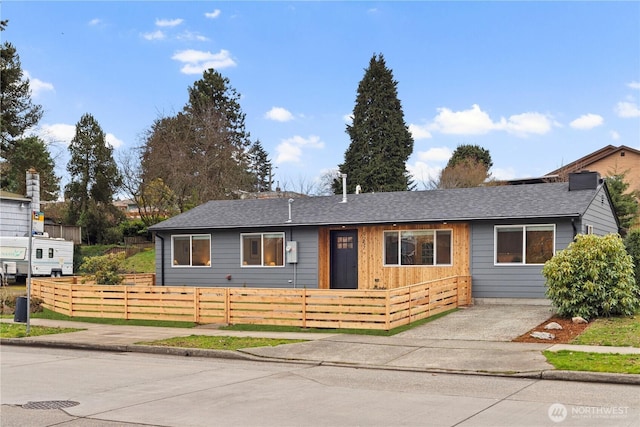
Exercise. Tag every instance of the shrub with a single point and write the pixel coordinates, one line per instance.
(592, 277)
(104, 269)
(632, 243)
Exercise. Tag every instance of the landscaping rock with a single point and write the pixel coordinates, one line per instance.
(543, 335)
(578, 319)
(553, 325)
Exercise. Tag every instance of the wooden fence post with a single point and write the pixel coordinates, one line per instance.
(126, 303)
(196, 304)
(387, 311)
(227, 306)
(304, 308)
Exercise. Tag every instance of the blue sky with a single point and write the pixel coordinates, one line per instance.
(538, 84)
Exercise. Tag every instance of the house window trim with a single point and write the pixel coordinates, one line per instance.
(523, 263)
(261, 249)
(190, 265)
(435, 248)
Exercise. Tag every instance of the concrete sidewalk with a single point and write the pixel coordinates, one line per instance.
(481, 357)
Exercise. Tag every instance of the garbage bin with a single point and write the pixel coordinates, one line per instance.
(21, 310)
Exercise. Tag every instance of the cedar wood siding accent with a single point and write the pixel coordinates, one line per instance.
(226, 260)
(509, 281)
(372, 274)
(600, 215)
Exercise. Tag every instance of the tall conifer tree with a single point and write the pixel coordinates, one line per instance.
(380, 139)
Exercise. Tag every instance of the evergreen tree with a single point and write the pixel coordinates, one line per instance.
(30, 153)
(17, 112)
(471, 152)
(380, 139)
(94, 179)
(260, 167)
(625, 204)
(201, 153)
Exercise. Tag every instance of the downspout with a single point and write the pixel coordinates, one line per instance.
(161, 258)
(575, 229)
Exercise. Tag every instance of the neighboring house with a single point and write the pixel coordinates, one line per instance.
(499, 235)
(608, 161)
(14, 214)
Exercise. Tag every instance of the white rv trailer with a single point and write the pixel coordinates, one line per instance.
(49, 257)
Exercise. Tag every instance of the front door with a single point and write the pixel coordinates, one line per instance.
(344, 259)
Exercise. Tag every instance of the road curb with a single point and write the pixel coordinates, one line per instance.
(553, 375)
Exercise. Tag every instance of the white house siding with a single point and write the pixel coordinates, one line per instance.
(14, 220)
(226, 261)
(509, 281)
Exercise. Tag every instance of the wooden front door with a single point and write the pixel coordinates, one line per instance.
(344, 259)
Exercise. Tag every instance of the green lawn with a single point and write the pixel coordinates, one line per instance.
(13, 330)
(142, 262)
(219, 342)
(48, 314)
(594, 362)
(612, 331)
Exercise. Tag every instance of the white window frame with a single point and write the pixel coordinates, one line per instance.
(262, 264)
(524, 244)
(435, 247)
(190, 265)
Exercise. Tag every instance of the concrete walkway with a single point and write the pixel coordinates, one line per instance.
(461, 342)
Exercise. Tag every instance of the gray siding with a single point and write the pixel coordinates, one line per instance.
(225, 254)
(600, 215)
(14, 220)
(508, 281)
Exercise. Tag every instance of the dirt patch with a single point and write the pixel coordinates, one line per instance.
(568, 332)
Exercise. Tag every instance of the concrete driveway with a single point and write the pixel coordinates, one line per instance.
(483, 322)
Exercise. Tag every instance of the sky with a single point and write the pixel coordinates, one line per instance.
(538, 84)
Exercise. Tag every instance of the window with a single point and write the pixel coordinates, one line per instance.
(417, 247)
(262, 249)
(50, 252)
(191, 250)
(39, 253)
(524, 244)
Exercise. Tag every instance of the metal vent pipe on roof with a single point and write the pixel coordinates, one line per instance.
(290, 202)
(344, 188)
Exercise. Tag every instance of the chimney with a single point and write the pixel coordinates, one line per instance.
(344, 188)
(33, 189)
(584, 180)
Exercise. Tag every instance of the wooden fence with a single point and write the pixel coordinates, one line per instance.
(307, 308)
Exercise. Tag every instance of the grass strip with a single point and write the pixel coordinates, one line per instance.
(376, 332)
(48, 314)
(12, 330)
(206, 342)
(594, 362)
(612, 331)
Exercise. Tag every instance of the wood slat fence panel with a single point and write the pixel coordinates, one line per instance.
(308, 308)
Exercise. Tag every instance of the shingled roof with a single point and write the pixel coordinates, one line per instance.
(550, 200)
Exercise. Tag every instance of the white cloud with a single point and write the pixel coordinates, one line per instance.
(169, 22)
(197, 61)
(423, 173)
(58, 133)
(438, 154)
(587, 121)
(614, 135)
(156, 35)
(189, 35)
(466, 122)
(37, 86)
(278, 114)
(503, 173)
(627, 110)
(113, 141)
(526, 123)
(419, 132)
(634, 85)
(477, 122)
(348, 118)
(95, 21)
(212, 15)
(290, 150)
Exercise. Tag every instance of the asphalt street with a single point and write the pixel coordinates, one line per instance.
(114, 388)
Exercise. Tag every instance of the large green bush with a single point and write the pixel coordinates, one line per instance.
(632, 243)
(592, 277)
(104, 269)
